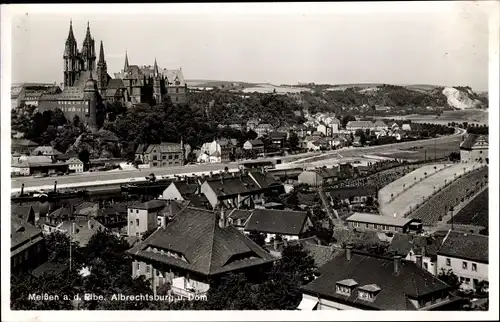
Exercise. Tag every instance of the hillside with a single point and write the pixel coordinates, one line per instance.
(463, 98)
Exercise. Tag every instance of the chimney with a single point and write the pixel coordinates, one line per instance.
(397, 263)
(55, 186)
(210, 174)
(348, 251)
(419, 260)
(22, 190)
(73, 228)
(222, 218)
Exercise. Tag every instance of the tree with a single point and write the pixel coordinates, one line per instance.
(346, 119)
(84, 156)
(258, 238)
(449, 278)
(294, 141)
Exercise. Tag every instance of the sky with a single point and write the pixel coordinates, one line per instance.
(437, 44)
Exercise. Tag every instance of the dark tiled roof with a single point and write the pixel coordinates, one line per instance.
(401, 244)
(198, 200)
(236, 214)
(410, 280)
(276, 221)
(115, 83)
(232, 186)
(345, 193)
(207, 248)
(255, 143)
(185, 188)
(21, 211)
(21, 231)
(141, 148)
(150, 205)
(164, 147)
(379, 219)
(277, 136)
(45, 150)
(472, 139)
(467, 246)
(263, 180)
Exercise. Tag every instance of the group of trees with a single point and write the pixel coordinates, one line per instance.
(274, 287)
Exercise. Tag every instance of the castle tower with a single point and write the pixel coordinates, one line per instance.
(102, 71)
(156, 84)
(88, 51)
(91, 94)
(125, 67)
(71, 58)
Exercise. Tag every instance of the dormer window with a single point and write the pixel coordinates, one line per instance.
(345, 287)
(368, 292)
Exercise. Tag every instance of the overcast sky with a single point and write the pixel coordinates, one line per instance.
(439, 45)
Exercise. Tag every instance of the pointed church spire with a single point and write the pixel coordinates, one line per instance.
(101, 54)
(126, 61)
(155, 70)
(71, 35)
(88, 28)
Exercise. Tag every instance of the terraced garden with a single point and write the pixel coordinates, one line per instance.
(439, 204)
(475, 213)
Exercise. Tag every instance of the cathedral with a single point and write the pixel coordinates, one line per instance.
(88, 86)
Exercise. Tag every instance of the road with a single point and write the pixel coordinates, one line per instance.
(88, 177)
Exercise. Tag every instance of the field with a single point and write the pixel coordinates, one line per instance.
(475, 213)
(457, 116)
(422, 189)
(268, 88)
(439, 151)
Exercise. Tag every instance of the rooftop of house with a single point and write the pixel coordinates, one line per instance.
(84, 229)
(359, 124)
(347, 192)
(45, 150)
(150, 205)
(185, 188)
(22, 211)
(472, 139)
(283, 222)
(201, 244)
(393, 289)
(379, 219)
(164, 147)
(263, 180)
(380, 123)
(256, 142)
(473, 247)
(22, 235)
(141, 148)
(23, 143)
(277, 135)
(231, 186)
(327, 173)
(402, 244)
(74, 161)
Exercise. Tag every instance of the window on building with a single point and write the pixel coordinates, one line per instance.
(375, 226)
(155, 157)
(474, 267)
(177, 90)
(464, 265)
(462, 279)
(138, 266)
(426, 266)
(164, 157)
(176, 156)
(448, 262)
(343, 290)
(155, 164)
(365, 295)
(475, 281)
(137, 211)
(176, 99)
(131, 222)
(467, 280)
(148, 268)
(137, 222)
(170, 157)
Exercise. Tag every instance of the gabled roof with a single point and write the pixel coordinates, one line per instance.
(277, 135)
(465, 246)
(22, 235)
(395, 288)
(277, 221)
(185, 188)
(74, 161)
(472, 139)
(263, 180)
(141, 148)
(231, 186)
(164, 147)
(380, 123)
(207, 248)
(115, 83)
(402, 244)
(256, 143)
(45, 150)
